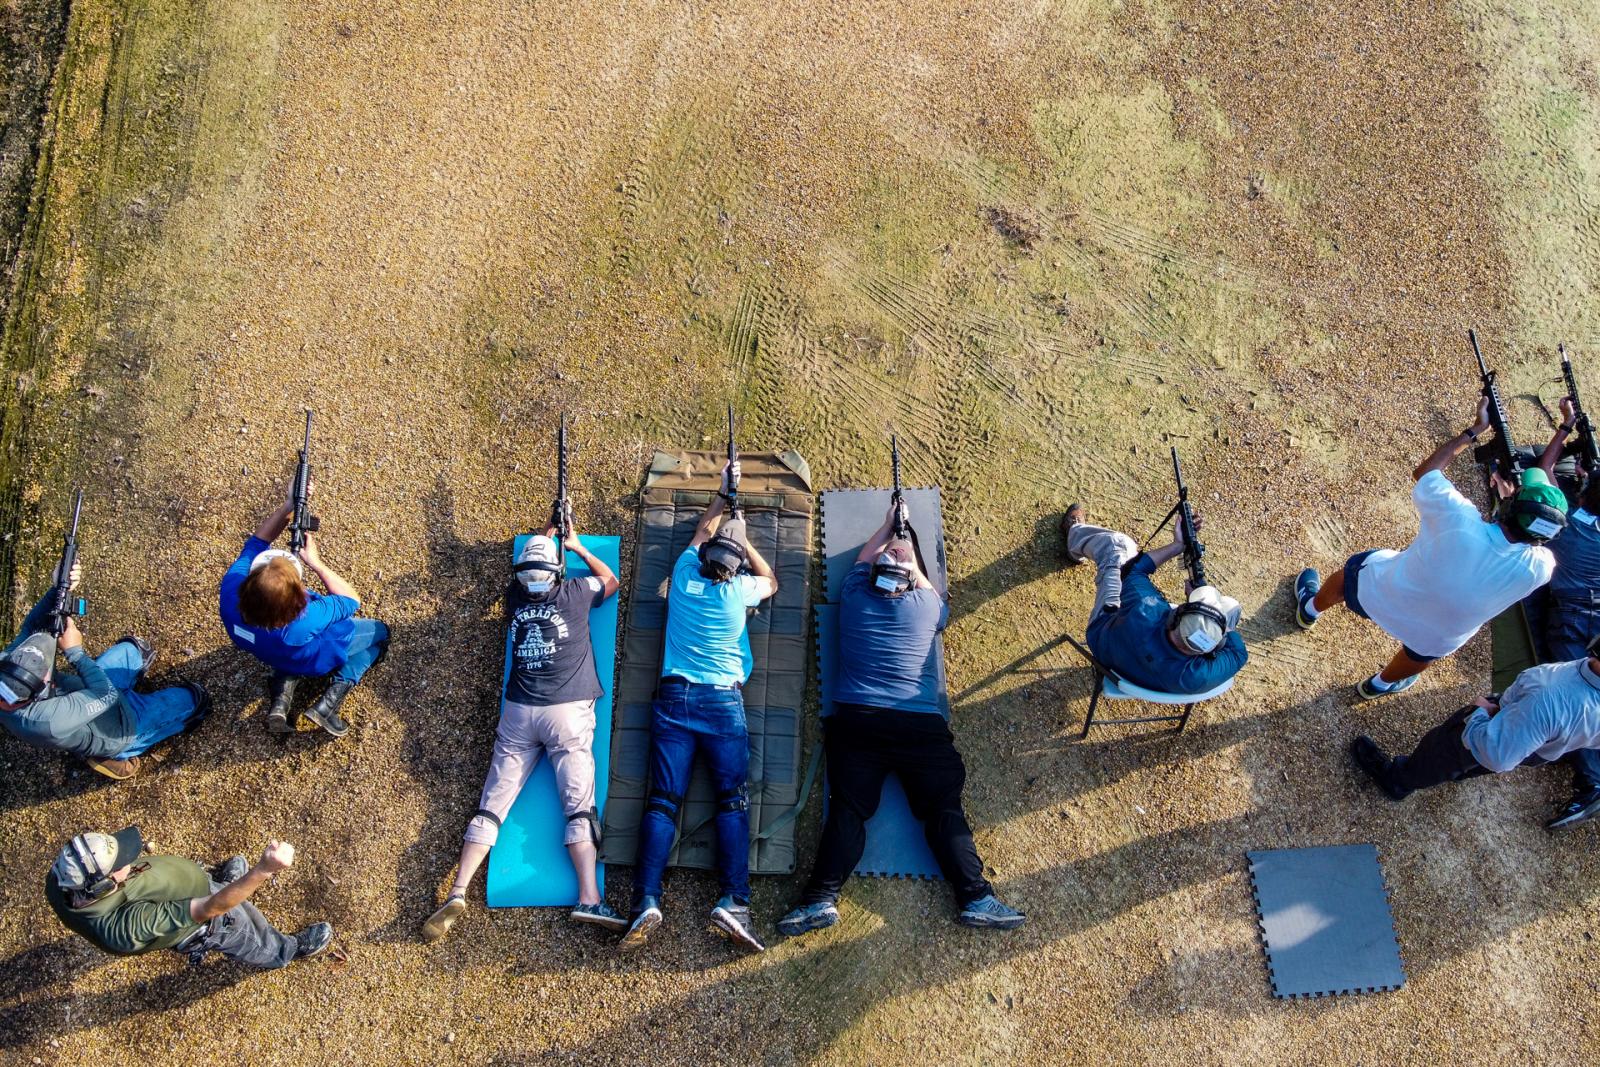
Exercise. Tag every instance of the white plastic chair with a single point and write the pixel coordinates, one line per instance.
(1114, 687)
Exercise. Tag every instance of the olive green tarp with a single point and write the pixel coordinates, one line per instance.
(1513, 649)
(775, 493)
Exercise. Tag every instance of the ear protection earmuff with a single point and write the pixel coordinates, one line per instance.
(1536, 519)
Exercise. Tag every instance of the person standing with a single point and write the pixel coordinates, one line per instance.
(93, 714)
(106, 890)
(699, 709)
(548, 707)
(882, 721)
(268, 611)
(1459, 572)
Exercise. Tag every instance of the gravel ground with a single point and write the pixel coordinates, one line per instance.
(1040, 241)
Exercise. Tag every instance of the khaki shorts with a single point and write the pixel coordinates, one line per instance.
(526, 732)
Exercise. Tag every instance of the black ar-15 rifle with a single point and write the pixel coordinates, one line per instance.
(561, 509)
(1193, 551)
(902, 522)
(302, 522)
(733, 480)
(1583, 443)
(1500, 455)
(63, 605)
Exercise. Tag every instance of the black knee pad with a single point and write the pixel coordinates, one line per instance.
(593, 818)
(664, 802)
(485, 813)
(738, 800)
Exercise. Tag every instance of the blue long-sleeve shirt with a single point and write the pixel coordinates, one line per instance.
(1132, 640)
(1548, 711)
(315, 643)
(84, 714)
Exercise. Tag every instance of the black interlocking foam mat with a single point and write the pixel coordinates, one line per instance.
(1326, 921)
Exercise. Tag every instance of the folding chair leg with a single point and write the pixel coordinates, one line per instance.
(1187, 709)
(1094, 699)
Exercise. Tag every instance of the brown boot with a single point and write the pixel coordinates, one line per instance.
(119, 769)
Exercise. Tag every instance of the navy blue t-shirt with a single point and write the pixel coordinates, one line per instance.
(1132, 640)
(885, 644)
(552, 657)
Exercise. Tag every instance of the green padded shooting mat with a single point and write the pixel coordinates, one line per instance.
(775, 493)
(1511, 640)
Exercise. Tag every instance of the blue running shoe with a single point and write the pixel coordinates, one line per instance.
(1373, 688)
(645, 919)
(808, 917)
(1306, 586)
(599, 914)
(732, 920)
(988, 913)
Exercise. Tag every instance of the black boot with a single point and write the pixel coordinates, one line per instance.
(312, 941)
(325, 712)
(1378, 766)
(280, 716)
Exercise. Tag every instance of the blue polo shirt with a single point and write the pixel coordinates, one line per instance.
(706, 639)
(1131, 639)
(886, 646)
(313, 644)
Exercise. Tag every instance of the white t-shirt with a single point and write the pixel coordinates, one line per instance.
(1458, 573)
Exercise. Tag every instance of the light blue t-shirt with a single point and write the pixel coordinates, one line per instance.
(706, 638)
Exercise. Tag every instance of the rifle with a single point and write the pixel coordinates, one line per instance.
(63, 604)
(1193, 551)
(902, 525)
(733, 482)
(561, 510)
(1499, 455)
(302, 522)
(1583, 443)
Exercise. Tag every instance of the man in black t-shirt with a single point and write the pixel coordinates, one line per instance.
(548, 709)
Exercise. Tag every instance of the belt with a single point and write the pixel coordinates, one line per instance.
(678, 679)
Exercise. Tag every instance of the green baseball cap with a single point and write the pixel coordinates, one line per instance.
(1537, 489)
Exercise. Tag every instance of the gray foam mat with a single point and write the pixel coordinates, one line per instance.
(856, 515)
(1325, 920)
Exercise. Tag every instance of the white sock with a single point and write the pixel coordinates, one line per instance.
(1377, 682)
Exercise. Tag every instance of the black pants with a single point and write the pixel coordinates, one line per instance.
(863, 746)
(1441, 757)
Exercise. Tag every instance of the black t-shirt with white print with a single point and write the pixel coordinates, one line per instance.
(552, 660)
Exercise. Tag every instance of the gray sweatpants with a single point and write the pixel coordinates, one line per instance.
(1108, 550)
(526, 733)
(244, 935)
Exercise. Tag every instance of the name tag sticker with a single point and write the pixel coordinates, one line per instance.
(1543, 528)
(1203, 641)
(243, 634)
(695, 587)
(886, 582)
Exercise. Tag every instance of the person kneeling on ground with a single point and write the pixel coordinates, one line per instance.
(1549, 711)
(268, 611)
(1135, 631)
(94, 714)
(1459, 572)
(550, 695)
(698, 709)
(1567, 617)
(102, 888)
(883, 720)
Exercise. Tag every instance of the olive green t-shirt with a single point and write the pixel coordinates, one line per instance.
(150, 911)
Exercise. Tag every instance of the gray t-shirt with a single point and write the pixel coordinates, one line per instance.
(886, 646)
(552, 659)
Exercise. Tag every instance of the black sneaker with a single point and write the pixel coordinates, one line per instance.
(147, 654)
(313, 941)
(202, 701)
(1377, 765)
(1584, 807)
(280, 716)
(233, 870)
(325, 712)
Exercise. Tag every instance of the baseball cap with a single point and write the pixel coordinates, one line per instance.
(1537, 488)
(95, 855)
(727, 546)
(1200, 632)
(25, 670)
(538, 564)
(267, 556)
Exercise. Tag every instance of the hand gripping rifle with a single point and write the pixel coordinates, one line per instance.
(1583, 443)
(733, 482)
(302, 522)
(63, 605)
(1499, 455)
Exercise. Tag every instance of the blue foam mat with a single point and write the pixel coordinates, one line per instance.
(528, 866)
(1325, 920)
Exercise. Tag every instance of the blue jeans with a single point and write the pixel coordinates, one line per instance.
(688, 718)
(367, 644)
(157, 716)
(1585, 769)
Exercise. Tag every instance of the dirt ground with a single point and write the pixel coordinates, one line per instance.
(1041, 240)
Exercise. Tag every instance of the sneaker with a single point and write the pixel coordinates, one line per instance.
(313, 941)
(1584, 807)
(440, 921)
(1073, 516)
(119, 770)
(1372, 688)
(280, 717)
(988, 913)
(202, 702)
(147, 655)
(645, 919)
(1376, 764)
(599, 914)
(808, 917)
(1306, 586)
(325, 712)
(233, 870)
(732, 920)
